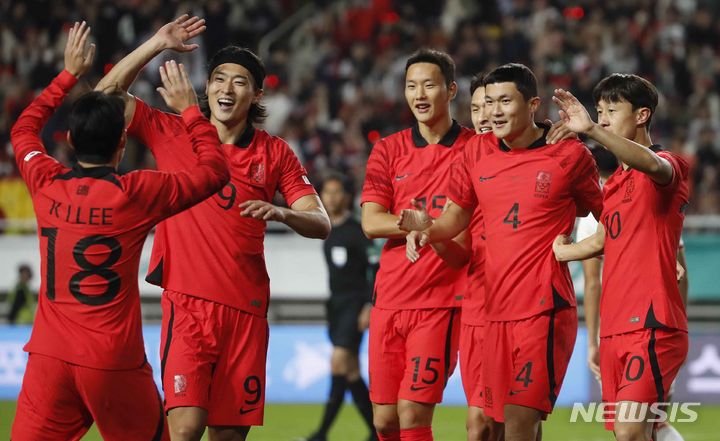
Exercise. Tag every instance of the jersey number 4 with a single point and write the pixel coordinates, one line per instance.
(512, 217)
(101, 269)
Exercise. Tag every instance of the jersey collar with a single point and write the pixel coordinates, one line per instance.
(656, 148)
(540, 142)
(448, 140)
(247, 136)
(105, 173)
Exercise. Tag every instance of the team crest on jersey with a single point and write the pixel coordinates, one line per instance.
(180, 384)
(629, 188)
(542, 184)
(257, 173)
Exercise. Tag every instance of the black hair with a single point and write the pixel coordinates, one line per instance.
(476, 82)
(606, 162)
(438, 58)
(247, 59)
(97, 122)
(346, 183)
(636, 90)
(517, 73)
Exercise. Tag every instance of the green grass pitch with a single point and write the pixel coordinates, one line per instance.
(283, 422)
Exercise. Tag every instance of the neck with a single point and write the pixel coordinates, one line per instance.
(523, 139)
(339, 217)
(641, 137)
(228, 134)
(433, 133)
(90, 165)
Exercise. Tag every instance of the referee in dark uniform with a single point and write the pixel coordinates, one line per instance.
(348, 309)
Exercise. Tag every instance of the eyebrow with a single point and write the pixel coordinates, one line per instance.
(497, 98)
(221, 72)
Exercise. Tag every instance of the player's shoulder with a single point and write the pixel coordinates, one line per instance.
(160, 120)
(395, 141)
(571, 150)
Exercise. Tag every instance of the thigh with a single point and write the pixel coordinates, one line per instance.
(543, 347)
(188, 349)
(430, 354)
(343, 312)
(497, 369)
(49, 406)
(472, 353)
(124, 404)
(237, 391)
(386, 355)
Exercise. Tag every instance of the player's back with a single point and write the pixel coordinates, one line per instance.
(92, 224)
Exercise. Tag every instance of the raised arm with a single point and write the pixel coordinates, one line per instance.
(25, 134)
(576, 118)
(592, 246)
(171, 36)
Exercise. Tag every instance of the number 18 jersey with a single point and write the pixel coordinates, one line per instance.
(527, 197)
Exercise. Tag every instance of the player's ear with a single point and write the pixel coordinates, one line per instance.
(69, 139)
(207, 85)
(534, 104)
(259, 93)
(642, 115)
(452, 90)
(123, 140)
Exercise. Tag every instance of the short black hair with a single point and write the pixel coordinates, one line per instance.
(476, 82)
(346, 183)
(436, 57)
(606, 162)
(517, 73)
(246, 58)
(636, 90)
(97, 122)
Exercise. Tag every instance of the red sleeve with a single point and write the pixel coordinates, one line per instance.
(152, 126)
(294, 182)
(586, 184)
(461, 188)
(378, 186)
(35, 165)
(165, 194)
(680, 171)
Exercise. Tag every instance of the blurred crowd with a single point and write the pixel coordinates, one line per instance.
(335, 68)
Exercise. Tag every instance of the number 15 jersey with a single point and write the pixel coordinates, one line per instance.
(528, 197)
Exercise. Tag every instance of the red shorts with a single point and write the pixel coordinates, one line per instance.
(471, 361)
(60, 401)
(640, 366)
(412, 353)
(213, 357)
(529, 361)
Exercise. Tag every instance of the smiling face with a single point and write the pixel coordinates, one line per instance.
(619, 118)
(510, 114)
(231, 92)
(480, 118)
(427, 94)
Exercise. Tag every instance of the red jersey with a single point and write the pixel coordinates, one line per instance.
(643, 222)
(211, 251)
(473, 304)
(401, 167)
(527, 197)
(92, 224)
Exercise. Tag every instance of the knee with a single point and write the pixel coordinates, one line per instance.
(415, 415)
(385, 425)
(630, 433)
(186, 431)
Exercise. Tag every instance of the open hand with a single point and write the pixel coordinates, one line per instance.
(174, 34)
(558, 132)
(417, 219)
(176, 90)
(572, 114)
(78, 55)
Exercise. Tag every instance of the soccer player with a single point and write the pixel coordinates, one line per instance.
(414, 323)
(528, 191)
(210, 259)
(643, 324)
(348, 308)
(87, 361)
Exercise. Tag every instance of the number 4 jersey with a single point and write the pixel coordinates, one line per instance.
(528, 197)
(92, 224)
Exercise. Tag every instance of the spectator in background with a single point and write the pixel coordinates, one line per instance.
(21, 299)
(348, 309)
